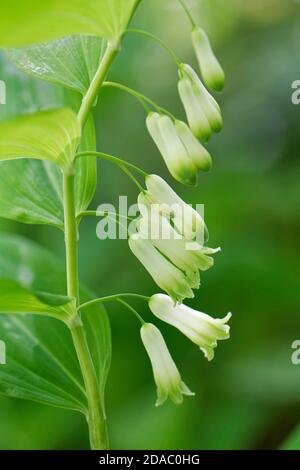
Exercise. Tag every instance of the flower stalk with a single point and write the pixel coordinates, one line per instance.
(90, 98)
(95, 413)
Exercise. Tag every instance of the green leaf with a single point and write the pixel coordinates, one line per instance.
(71, 61)
(14, 298)
(25, 22)
(98, 333)
(41, 360)
(36, 368)
(26, 94)
(48, 135)
(31, 190)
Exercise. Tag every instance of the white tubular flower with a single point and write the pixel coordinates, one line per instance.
(211, 107)
(197, 153)
(166, 375)
(189, 257)
(162, 244)
(172, 149)
(202, 110)
(167, 276)
(200, 328)
(196, 117)
(187, 221)
(211, 70)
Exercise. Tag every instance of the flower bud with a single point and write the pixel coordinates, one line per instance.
(202, 110)
(173, 151)
(166, 375)
(196, 117)
(167, 276)
(200, 328)
(197, 153)
(211, 70)
(187, 221)
(186, 256)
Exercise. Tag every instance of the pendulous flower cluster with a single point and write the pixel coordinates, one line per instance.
(181, 145)
(171, 235)
(168, 240)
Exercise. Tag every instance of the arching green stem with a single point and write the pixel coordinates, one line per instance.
(132, 177)
(140, 97)
(111, 158)
(110, 298)
(188, 13)
(102, 214)
(135, 313)
(118, 298)
(110, 215)
(155, 38)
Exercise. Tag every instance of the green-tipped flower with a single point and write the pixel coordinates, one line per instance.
(196, 116)
(200, 328)
(167, 276)
(203, 112)
(172, 149)
(166, 375)
(197, 153)
(211, 70)
(187, 221)
(169, 241)
(186, 256)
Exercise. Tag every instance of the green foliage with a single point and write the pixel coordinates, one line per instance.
(31, 21)
(42, 364)
(16, 299)
(71, 61)
(48, 135)
(249, 397)
(31, 190)
(53, 134)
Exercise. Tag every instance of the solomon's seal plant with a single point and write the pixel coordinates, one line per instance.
(48, 176)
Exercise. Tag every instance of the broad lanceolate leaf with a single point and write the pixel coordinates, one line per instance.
(24, 22)
(31, 190)
(48, 135)
(71, 61)
(14, 298)
(41, 363)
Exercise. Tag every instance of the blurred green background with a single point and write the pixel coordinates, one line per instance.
(249, 396)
